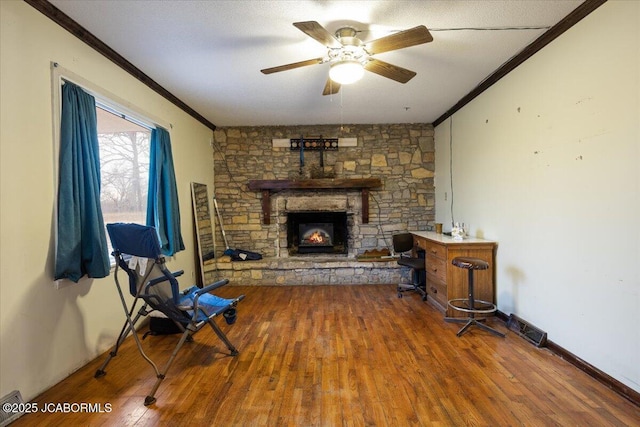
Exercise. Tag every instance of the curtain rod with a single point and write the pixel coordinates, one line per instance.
(108, 99)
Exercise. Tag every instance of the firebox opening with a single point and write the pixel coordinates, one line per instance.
(313, 234)
(317, 232)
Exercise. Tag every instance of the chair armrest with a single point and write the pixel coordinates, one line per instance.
(164, 279)
(157, 280)
(206, 289)
(211, 287)
(154, 282)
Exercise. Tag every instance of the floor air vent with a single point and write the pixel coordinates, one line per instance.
(527, 331)
(11, 401)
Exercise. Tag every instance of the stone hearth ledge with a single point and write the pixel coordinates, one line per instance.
(278, 263)
(316, 270)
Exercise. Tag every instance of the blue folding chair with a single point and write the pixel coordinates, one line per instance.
(136, 250)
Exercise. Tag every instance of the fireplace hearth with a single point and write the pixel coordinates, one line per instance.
(317, 233)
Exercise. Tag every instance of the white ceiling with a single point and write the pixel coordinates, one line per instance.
(209, 53)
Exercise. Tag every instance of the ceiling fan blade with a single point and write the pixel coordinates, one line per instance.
(292, 66)
(400, 40)
(319, 33)
(389, 71)
(331, 87)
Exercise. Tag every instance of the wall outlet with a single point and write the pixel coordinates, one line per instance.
(445, 195)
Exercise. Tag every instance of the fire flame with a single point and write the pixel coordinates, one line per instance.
(316, 237)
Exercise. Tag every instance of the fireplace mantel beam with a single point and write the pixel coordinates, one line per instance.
(271, 185)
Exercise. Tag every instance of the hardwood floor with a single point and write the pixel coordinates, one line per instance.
(340, 355)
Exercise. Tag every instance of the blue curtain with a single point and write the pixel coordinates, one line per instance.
(163, 211)
(82, 243)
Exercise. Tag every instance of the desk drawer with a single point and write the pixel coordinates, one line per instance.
(420, 242)
(436, 267)
(437, 289)
(436, 250)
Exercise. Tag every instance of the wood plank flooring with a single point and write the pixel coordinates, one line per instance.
(340, 355)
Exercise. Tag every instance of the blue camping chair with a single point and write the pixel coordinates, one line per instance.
(136, 250)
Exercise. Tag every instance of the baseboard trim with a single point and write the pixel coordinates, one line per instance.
(615, 385)
(502, 316)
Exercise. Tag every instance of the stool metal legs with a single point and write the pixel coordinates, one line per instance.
(471, 309)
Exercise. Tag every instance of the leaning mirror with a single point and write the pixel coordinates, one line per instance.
(203, 232)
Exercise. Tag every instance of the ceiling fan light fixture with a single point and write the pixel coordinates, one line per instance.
(346, 72)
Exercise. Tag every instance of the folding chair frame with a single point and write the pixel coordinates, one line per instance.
(139, 286)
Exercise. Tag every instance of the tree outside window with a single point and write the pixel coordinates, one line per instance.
(124, 168)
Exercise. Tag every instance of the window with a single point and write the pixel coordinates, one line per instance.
(124, 167)
(118, 163)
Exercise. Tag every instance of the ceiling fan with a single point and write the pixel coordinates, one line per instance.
(349, 56)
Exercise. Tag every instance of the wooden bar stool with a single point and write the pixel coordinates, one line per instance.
(470, 305)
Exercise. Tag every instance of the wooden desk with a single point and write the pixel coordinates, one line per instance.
(446, 281)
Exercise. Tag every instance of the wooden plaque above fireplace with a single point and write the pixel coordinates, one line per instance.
(273, 185)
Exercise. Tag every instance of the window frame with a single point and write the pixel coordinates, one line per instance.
(105, 100)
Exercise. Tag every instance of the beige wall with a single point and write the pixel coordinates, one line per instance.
(547, 162)
(47, 333)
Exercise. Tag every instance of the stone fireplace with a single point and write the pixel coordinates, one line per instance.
(401, 156)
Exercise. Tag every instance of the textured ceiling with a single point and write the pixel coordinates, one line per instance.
(209, 53)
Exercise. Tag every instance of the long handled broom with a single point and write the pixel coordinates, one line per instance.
(228, 250)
